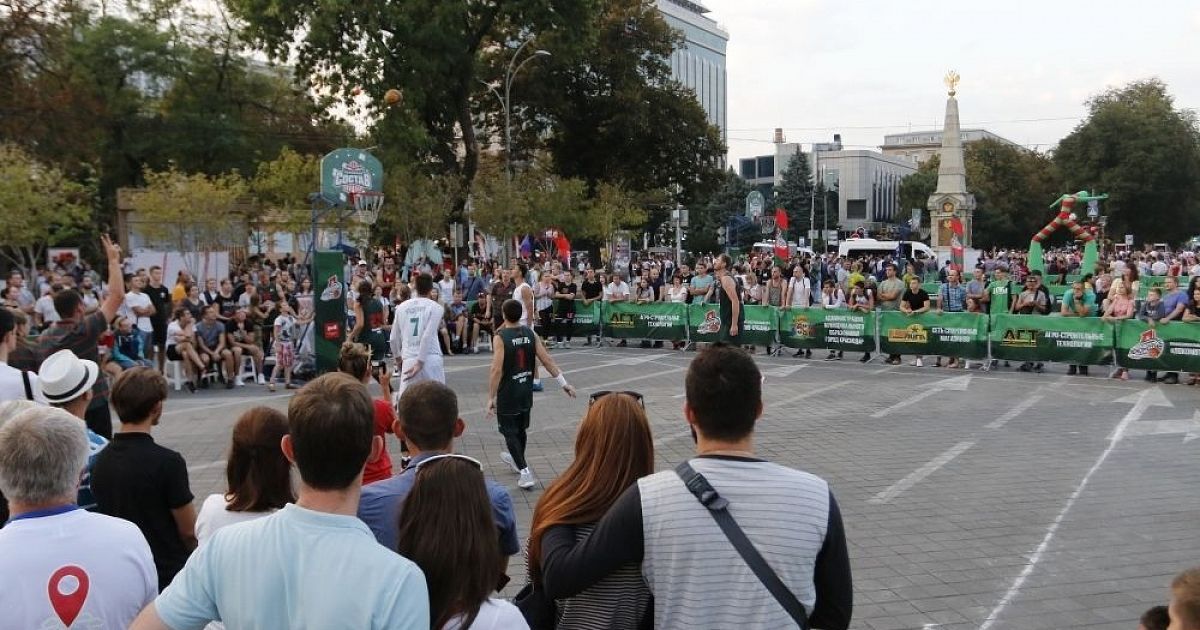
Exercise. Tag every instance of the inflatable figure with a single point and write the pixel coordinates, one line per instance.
(1066, 218)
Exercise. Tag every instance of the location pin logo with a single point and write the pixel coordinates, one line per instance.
(68, 605)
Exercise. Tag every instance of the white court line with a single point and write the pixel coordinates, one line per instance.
(1138, 409)
(813, 392)
(199, 467)
(233, 403)
(554, 387)
(911, 400)
(921, 473)
(1014, 412)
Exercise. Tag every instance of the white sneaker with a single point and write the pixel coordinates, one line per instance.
(507, 458)
(527, 481)
(261, 380)
(240, 382)
(917, 363)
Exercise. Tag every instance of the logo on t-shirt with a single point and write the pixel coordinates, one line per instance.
(67, 591)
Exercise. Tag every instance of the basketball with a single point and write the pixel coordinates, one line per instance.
(392, 96)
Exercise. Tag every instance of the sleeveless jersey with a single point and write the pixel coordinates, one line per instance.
(515, 394)
(727, 306)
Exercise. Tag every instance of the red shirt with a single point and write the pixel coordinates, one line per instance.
(382, 467)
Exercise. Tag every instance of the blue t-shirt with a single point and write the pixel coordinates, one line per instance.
(1172, 300)
(379, 508)
(296, 568)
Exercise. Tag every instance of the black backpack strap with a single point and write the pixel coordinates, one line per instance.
(28, 385)
(718, 508)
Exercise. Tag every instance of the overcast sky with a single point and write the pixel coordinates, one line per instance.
(864, 68)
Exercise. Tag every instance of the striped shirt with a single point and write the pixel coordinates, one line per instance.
(618, 602)
(82, 338)
(697, 578)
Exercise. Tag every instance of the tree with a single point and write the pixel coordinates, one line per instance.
(532, 201)
(1012, 188)
(41, 207)
(795, 194)
(1139, 148)
(417, 205)
(193, 214)
(707, 217)
(916, 187)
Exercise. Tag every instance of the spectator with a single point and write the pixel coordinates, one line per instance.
(914, 302)
(50, 545)
(241, 338)
(1077, 302)
(1184, 608)
(1152, 311)
(371, 329)
(212, 343)
(181, 346)
(473, 284)
(977, 287)
(565, 293)
(210, 293)
(481, 321)
(259, 574)
(697, 577)
(139, 310)
(501, 290)
(144, 483)
(617, 291)
(43, 308)
(15, 384)
(161, 300)
(862, 300)
(799, 295)
(355, 360)
(890, 291)
(24, 298)
(1175, 301)
(1130, 275)
(226, 301)
(129, 349)
(257, 474)
(1156, 618)
(193, 302)
(615, 423)
(701, 284)
(183, 280)
(1034, 300)
(428, 422)
(67, 383)
(81, 334)
(832, 298)
(446, 528)
(1120, 306)
(591, 289)
(952, 298)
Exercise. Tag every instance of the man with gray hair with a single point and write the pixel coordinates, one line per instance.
(61, 566)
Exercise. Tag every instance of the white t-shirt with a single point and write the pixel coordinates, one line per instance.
(618, 289)
(214, 516)
(1159, 268)
(12, 385)
(414, 329)
(494, 614)
(173, 329)
(139, 300)
(801, 291)
(45, 307)
(99, 568)
(445, 290)
(297, 568)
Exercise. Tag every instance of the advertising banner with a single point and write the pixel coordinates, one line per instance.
(704, 320)
(587, 319)
(948, 334)
(329, 310)
(833, 329)
(1078, 340)
(623, 320)
(1170, 346)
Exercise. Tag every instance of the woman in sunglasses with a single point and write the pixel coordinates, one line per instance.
(615, 423)
(447, 529)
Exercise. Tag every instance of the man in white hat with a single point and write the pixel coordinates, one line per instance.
(66, 382)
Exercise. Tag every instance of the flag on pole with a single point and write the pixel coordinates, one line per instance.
(781, 219)
(956, 243)
(526, 247)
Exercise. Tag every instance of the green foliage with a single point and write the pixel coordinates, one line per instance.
(1139, 148)
(417, 205)
(282, 187)
(193, 213)
(916, 188)
(40, 206)
(795, 194)
(704, 219)
(1012, 189)
(532, 201)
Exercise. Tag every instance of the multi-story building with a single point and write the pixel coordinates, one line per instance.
(919, 146)
(700, 63)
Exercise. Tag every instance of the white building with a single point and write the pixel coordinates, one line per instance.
(922, 145)
(700, 63)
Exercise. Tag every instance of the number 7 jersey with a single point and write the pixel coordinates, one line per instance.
(415, 329)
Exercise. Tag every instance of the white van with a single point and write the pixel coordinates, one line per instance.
(857, 247)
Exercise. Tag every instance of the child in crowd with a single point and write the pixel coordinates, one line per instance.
(284, 348)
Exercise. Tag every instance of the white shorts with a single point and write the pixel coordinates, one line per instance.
(431, 370)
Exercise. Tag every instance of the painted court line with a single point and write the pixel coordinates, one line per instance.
(199, 467)
(1014, 412)
(907, 402)
(921, 473)
(1115, 438)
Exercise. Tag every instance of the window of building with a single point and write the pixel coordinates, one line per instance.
(748, 170)
(856, 208)
(766, 166)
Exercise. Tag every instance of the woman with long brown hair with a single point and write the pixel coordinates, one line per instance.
(613, 449)
(447, 529)
(259, 477)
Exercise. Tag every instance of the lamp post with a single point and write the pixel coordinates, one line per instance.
(506, 98)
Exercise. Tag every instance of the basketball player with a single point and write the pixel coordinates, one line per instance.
(523, 294)
(515, 352)
(414, 337)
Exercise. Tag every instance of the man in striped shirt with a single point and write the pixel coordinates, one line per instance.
(697, 577)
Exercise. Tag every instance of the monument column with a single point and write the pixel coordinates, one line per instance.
(951, 200)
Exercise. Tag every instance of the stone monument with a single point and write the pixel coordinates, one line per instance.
(951, 200)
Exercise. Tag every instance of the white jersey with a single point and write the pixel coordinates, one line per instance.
(415, 329)
(519, 294)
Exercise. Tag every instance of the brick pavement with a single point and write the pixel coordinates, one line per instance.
(946, 500)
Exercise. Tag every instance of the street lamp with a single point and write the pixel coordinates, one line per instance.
(506, 98)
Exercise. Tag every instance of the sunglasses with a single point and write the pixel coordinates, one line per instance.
(449, 456)
(604, 392)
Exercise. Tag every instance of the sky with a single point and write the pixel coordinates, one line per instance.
(865, 68)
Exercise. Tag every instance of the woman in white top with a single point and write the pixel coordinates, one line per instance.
(677, 292)
(445, 287)
(258, 475)
(447, 528)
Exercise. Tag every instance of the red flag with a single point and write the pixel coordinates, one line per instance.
(956, 243)
(781, 246)
(781, 220)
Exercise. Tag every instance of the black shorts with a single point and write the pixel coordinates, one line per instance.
(511, 423)
(160, 332)
(173, 353)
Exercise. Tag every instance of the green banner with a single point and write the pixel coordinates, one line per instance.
(1171, 346)
(948, 334)
(705, 319)
(1077, 340)
(587, 319)
(833, 329)
(329, 309)
(662, 320)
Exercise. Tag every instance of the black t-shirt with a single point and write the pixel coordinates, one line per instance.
(240, 331)
(916, 301)
(161, 299)
(564, 307)
(592, 289)
(141, 482)
(226, 306)
(657, 284)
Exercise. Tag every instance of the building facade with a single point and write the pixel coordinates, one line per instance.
(700, 63)
(919, 146)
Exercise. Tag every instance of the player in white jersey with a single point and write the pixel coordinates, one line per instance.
(523, 293)
(414, 337)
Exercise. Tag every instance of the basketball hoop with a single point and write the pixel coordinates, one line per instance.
(366, 206)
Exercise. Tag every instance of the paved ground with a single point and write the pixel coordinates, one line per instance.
(989, 500)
